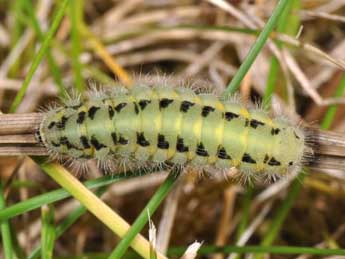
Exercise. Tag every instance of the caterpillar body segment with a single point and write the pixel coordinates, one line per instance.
(175, 126)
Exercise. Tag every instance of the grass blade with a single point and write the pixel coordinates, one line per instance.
(39, 56)
(255, 50)
(56, 73)
(47, 232)
(288, 18)
(76, 11)
(206, 250)
(142, 219)
(5, 229)
(329, 116)
(96, 206)
(66, 223)
(53, 196)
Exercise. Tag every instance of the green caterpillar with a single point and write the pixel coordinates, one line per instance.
(173, 126)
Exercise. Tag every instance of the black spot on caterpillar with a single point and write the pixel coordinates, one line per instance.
(185, 105)
(206, 110)
(136, 108)
(114, 138)
(143, 103)
(64, 141)
(180, 147)
(141, 140)
(92, 111)
(165, 103)
(274, 162)
(175, 126)
(162, 143)
(61, 124)
(84, 142)
(222, 153)
(120, 106)
(96, 144)
(81, 117)
(254, 123)
(229, 116)
(123, 141)
(111, 112)
(200, 150)
(248, 159)
(51, 125)
(275, 131)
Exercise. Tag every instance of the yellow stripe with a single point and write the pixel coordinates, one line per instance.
(219, 132)
(244, 113)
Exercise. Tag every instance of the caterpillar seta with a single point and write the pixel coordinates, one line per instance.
(174, 126)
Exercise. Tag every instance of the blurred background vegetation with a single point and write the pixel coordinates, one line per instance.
(108, 41)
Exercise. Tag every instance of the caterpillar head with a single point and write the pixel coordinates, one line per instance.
(289, 149)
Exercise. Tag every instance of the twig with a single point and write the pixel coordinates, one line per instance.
(13, 124)
(17, 137)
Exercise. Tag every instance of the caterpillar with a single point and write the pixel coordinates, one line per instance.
(175, 126)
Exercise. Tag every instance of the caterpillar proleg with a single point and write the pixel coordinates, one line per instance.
(174, 126)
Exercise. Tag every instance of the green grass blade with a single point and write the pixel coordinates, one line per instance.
(39, 56)
(282, 211)
(57, 195)
(67, 223)
(329, 116)
(206, 250)
(176, 252)
(142, 219)
(47, 232)
(17, 29)
(76, 8)
(287, 18)
(56, 73)
(245, 211)
(256, 48)
(15, 32)
(271, 82)
(5, 229)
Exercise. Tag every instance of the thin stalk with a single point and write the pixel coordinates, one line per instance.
(51, 62)
(206, 250)
(54, 196)
(67, 223)
(5, 229)
(48, 232)
(245, 212)
(329, 116)
(76, 8)
(16, 31)
(142, 219)
(287, 18)
(256, 48)
(282, 211)
(107, 58)
(39, 56)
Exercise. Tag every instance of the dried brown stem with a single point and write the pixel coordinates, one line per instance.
(17, 137)
(13, 124)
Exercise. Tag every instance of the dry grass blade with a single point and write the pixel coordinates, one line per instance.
(11, 124)
(17, 135)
